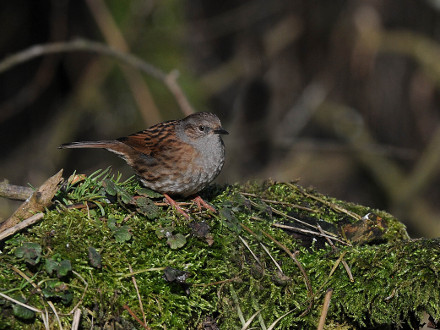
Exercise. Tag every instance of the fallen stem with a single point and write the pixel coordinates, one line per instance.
(25, 223)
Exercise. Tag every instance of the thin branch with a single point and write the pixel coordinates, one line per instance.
(329, 204)
(21, 225)
(305, 231)
(11, 191)
(134, 316)
(101, 49)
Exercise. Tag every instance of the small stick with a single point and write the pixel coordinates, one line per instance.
(135, 317)
(12, 191)
(325, 307)
(305, 231)
(329, 204)
(21, 225)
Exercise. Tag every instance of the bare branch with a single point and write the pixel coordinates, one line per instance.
(101, 49)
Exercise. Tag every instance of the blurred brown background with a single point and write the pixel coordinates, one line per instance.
(342, 95)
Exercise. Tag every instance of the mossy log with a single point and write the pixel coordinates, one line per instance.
(111, 254)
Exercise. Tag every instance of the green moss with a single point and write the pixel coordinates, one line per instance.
(230, 275)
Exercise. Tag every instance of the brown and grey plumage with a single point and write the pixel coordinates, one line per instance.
(178, 157)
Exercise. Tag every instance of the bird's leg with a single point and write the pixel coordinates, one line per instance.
(200, 202)
(173, 203)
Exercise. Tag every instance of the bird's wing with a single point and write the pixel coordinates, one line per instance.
(153, 140)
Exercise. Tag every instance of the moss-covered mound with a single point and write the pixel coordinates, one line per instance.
(111, 254)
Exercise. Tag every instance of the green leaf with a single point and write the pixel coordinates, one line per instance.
(122, 234)
(30, 252)
(111, 223)
(125, 196)
(22, 312)
(64, 268)
(94, 257)
(50, 266)
(176, 241)
(147, 207)
(110, 187)
(58, 290)
(229, 219)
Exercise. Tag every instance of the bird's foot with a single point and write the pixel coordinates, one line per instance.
(200, 202)
(173, 203)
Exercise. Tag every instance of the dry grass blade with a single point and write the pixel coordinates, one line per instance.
(248, 247)
(51, 305)
(341, 258)
(141, 306)
(76, 319)
(36, 310)
(84, 293)
(325, 307)
(272, 326)
(273, 259)
(248, 322)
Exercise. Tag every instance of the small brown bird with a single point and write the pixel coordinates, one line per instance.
(177, 157)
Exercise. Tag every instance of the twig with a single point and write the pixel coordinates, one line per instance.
(329, 204)
(138, 294)
(102, 49)
(305, 231)
(40, 199)
(12, 191)
(135, 317)
(21, 225)
(325, 307)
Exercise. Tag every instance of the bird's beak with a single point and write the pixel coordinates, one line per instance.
(221, 130)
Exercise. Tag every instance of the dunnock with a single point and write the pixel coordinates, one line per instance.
(177, 157)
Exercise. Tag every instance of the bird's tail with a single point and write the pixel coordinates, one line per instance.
(107, 144)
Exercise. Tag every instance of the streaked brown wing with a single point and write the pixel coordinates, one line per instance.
(153, 140)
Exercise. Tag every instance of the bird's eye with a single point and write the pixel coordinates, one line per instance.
(201, 128)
